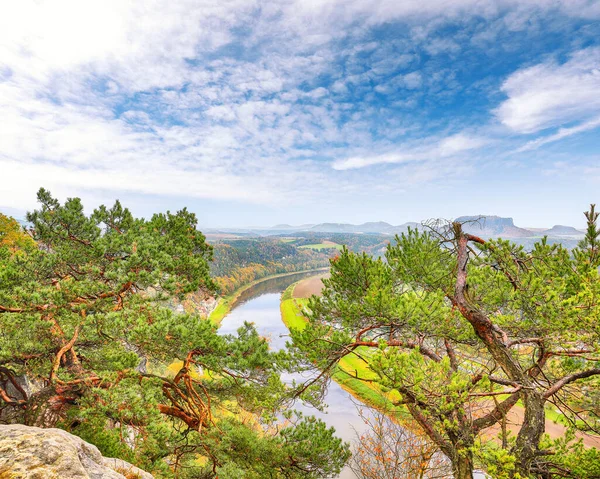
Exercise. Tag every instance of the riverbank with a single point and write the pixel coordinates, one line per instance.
(293, 316)
(226, 303)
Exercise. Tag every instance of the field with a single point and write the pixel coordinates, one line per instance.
(323, 245)
(309, 286)
(212, 237)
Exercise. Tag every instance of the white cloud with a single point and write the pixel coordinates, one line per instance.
(551, 94)
(327, 16)
(409, 81)
(64, 146)
(140, 45)
(560, 134)
(429, 149)
(132, 96)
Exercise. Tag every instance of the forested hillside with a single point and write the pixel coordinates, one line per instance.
(373, 244)
(241, 261)
(237, 262)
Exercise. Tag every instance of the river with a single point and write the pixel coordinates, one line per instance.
(260, 305)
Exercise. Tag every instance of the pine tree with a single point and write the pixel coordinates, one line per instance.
(88, 335)
(459, 331)
(590, 244)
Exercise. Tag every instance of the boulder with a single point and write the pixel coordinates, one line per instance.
(36, 453)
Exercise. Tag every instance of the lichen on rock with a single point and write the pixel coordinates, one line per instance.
(36, 453)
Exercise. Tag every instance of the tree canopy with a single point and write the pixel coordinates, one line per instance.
(87, 340)
(463, 330)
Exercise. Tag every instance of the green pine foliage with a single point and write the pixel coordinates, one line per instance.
(463, 331)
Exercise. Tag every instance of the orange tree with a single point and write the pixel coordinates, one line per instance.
(12, 236)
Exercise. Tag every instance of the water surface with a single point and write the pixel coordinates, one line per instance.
(260, 305)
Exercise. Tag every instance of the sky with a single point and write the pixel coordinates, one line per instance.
(254, 112)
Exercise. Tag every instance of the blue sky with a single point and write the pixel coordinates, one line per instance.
(257, 113)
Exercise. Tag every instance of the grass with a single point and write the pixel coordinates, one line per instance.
(222, 309)
(291, 313)
(552, 414)
(559, 418)
(320, 246)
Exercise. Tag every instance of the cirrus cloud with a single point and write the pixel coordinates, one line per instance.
(431, 149)
(552, 94)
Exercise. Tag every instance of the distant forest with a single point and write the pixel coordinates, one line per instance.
(240, 261)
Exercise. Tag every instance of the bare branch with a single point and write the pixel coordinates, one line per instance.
(558, 385)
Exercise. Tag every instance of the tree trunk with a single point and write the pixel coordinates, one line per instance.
(528, 439)
(462, 465)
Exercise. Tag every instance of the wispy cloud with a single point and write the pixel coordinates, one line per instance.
(431, 150)
(552, 94)
(560, 134)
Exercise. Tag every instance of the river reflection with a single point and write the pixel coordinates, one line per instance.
(273, 285)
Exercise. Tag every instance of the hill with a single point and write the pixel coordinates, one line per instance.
(488, 226)
(561, 230)
(372, 227)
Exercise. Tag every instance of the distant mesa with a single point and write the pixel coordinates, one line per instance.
(375, 227)
(372, 227)
(561, 230)
(285, 226)
(403, 228)
(493, 226)
(334, 228)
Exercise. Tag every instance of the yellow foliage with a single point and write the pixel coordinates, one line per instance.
(12, 235)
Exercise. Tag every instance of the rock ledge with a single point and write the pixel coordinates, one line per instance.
(35, 453)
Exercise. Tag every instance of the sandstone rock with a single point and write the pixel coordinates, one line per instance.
(35, 453)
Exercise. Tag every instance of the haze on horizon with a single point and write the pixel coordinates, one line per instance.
(259, 113)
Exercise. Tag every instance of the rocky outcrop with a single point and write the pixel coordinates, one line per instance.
(197, 303)
(35, 453)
